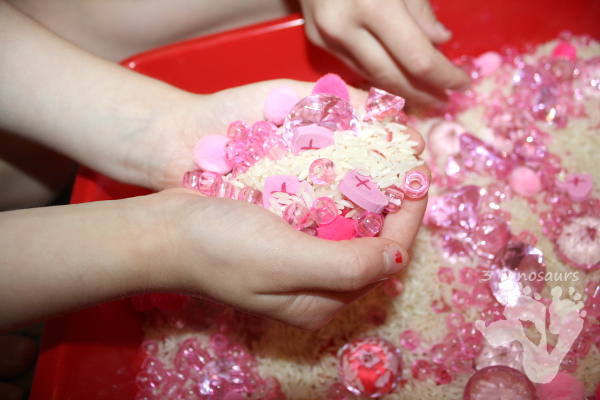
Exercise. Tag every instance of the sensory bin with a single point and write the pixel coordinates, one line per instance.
(512, 226)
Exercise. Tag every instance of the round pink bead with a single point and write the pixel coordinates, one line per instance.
(251, 195)
(191, 179)
(422, 370)
(443, 374)
(369, 224)
(275, 147)
(252, 153)
(499, 382)
(416, 184)
(461, 299)
(222, 189)
(454, 321)
(324, 210)
(395, 197)
(322, 171)
(218, 343)
(261, 131)
(238, 131)
(207, 179)
(298, 216)
(410, 339)
(234, 151)
(525, 181)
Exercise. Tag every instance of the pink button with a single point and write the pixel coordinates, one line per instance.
(279, 184)
(577, 186)
(363, 192)
(311, 137)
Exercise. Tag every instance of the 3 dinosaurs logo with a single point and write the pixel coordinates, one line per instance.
(539, 364)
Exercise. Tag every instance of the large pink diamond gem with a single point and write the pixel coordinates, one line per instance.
(499, 382)
(579, 242)
(509, 355)
(515, 267)
(457, 210)
(323, 109)
(490, 235)
(381, 104)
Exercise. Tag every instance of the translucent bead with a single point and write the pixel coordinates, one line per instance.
(275, 147)
(337, 391)
(410, 339)
(421, 370)
(395, 197)
(219, 343)
(439, 353)
(454, 321)
(298, 216)
(416, 184)
(191, 179)
(324, 210)
(469, 276)
(322, 171)
(252, 153)
(261, 131)
(376, 316)
(311, 230)
(369, 224)
(150, 347)
(238, 131)
(222, 189)
(471, 347)
(443, 375)
(207, 179)
(251, 195)
(461, 299)
(234, 151)
(445, 275)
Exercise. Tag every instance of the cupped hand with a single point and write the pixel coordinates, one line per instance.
(390, 42)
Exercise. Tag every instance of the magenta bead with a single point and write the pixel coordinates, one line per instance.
(298, 216)
(251, 195)
(222, 189)
(416, 184)
(324, 210)
(395, 197)
(369, 224)
(410, 339)
(322, 171)
(238, 131)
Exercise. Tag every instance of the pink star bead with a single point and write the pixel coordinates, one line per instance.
(381, 104)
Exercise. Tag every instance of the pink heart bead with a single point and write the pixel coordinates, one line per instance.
(577, 186)
(311, 137)
(362, 191)
(279, 183)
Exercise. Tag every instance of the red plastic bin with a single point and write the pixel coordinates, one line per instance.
(94, 354)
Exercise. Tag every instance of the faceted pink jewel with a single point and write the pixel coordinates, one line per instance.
(326, 110)
(381, 104)
(395, 197)
(499, 382)
(322, 171)
(490, 235)
(298, 216)
(324, 210)
(251, 195)
(416, 184)
(370, 366)
(222, 189)
(369, 224)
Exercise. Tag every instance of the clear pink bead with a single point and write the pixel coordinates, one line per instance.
(462, 365)
(218, 343)
(461, 299)
(222, 189)
(326, 110)
(569, 363)
(395, 197)
(238, 131)
(337, 391)
(311, 230)
(261, 131)
(275, 147)
(251, 195)
(369, 224)
(452, 344)
(445, 275)
(454, 321)
(499, 382)
(443, 375)
(471, 347)
(410, 339)
(469, 276)
(381, 104)
(252, 153)
(207, 179)
(393, 287)
(439, 353)
(416, 184)
(592, 301)
(234, 151)
(482, 295)
(322, 171)
(298, 216)
(422, 370)
(324, 210)
(150, 347)
(469, 331)
(439, 306)
(191, 179)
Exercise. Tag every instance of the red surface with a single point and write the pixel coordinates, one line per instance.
(93, 354)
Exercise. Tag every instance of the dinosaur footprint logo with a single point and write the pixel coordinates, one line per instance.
(540, 365)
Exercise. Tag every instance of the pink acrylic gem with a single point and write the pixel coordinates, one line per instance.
(369, 224)
(410, 339)
(326, 110)
(261, 131)
(395, 197)
(422, 370)
(579, 242)
(324, 210)
(238, 131)
(222, 189)
(532, 147)
(457, 210)
(490, 235)
(381, 104)
(370, 366)
(515, 267)
(479, 156)
(322, 171)
(416, 184)
(191, 179)
(361, 190)
(251, 195)
(499, 382)
(577, 186)
(311, 137)
(289, 184)
(298, 216)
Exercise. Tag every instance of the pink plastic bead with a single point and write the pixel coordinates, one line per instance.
(222, 189)
(443, 375)
(251, 195)
(238, 131)
(395, 197)
(324, 210)
(461, 300)
(218, 343)
(261, 131)
(234, 151)
(322, 171)
(416, 184)
(298, 216)
(410, 339)
(275, 147)
(252, 153)
(191, 179)
(454, 321)
(369, 224)
(422, 370)
(207, 179)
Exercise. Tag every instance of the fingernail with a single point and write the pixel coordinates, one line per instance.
(395, 258)
(442, 30)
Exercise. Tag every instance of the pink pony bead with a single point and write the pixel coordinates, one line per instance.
(191, 179)
(238, 131)
(454, 321)
(252, 153)
(369, 224)
(395, 197)
(222, 189)
(275, 147)
(233, 151)
(443, 375)
(298, 216)
(422, 370)
(410, 339)
(322, 171)
(207, 179)
(251, 195)
(416, 184)
(324, 210)
(261, 131)
(218, 343)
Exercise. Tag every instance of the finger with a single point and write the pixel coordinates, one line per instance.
(423, 14)
(416, 136)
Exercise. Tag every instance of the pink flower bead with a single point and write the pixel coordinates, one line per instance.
(251, 195)
(191, 179)
(222, 189)
(321, 171)
(422, 370)
(324, 210)
(298, 216)
(410, 339)
(369, 224)
(238, 131)
(207, 179)
(416, 184)
(395, 197)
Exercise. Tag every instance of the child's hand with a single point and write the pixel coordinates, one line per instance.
(391, 42)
